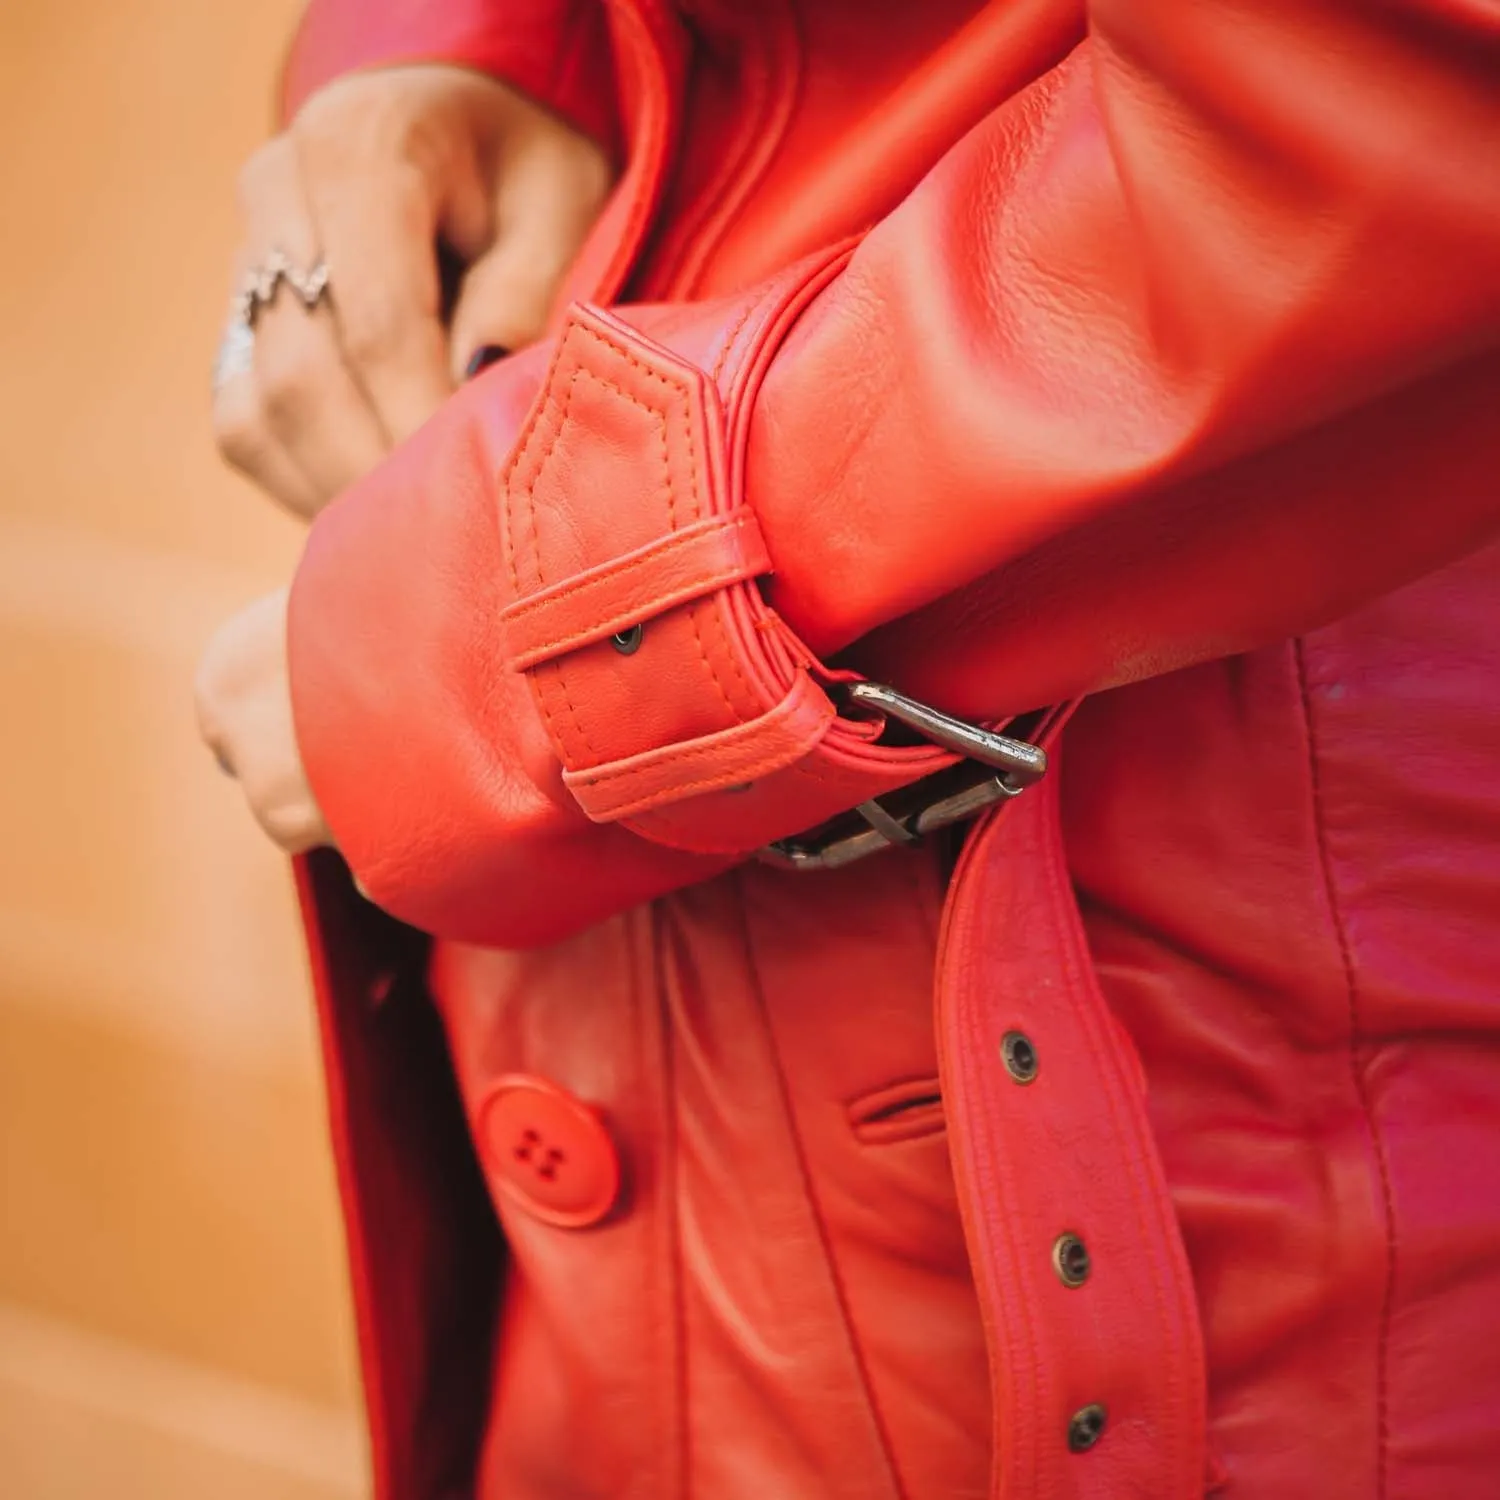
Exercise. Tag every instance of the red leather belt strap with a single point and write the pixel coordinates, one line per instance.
(602, 601)
(780, 737)
(1098, 1380)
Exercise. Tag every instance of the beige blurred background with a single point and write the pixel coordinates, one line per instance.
(173, 1316)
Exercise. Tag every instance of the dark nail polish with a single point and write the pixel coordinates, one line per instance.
(482, 358)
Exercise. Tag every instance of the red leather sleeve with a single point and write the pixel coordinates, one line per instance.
(557, 51)
(1189, 347)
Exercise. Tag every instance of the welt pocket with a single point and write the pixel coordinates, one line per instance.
(898, 1112)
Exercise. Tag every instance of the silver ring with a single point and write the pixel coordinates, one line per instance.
(262, 282)
(258, 290)
(236, 353)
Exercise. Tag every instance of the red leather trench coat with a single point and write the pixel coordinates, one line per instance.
(1012, 355)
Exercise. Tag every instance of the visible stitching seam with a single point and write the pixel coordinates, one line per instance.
(594, 577)
(773, 762)
(734, 333)
(1012, 1341)
(641, 42)
(1127, 1123)
(682, 395)
(692, 612)
(1357, 1072)
(528, 494)
(668, 1186)
(639, 610)
(825, 1242)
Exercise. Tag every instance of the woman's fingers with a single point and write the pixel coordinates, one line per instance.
(377, 227)
(290, 416)
(502, 303)
(542, 207)
(245, 718)
(245, 439)
(377, 172)
(309, 402)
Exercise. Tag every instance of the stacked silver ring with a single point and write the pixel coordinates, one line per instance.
(258, 291)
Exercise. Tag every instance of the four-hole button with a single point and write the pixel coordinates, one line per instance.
(548, 1152)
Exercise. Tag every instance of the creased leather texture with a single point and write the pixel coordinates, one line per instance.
(1136, 350)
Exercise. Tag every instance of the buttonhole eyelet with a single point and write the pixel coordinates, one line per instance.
(1018, 1053)
(1086, 1427)
(1071, 1261)
(628, 642)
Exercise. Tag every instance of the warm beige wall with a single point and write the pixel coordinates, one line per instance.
(173, 1318)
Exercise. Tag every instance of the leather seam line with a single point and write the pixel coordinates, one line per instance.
(680, 1440)
(555, 436)
(643, 44)
(669, 489)
(672, 284)
(748, 330)
(1010, 1397)
(645, 802)
(947, 1021)
(1128, 1126)
(735, 330)
(529, 495)
(603, 774)
(712, 783)
(593, 577)
(809, 1195)
(678, 386)
(768, 111)
(692, 613)
(1357, 1073)
(650, 609)
(682, 391)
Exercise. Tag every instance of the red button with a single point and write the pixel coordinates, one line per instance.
(548, 1152)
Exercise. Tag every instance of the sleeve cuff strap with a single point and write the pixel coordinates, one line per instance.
(713, 730)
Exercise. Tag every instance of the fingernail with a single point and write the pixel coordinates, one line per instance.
(482, 358)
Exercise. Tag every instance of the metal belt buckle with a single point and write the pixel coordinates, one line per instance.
(995, 768)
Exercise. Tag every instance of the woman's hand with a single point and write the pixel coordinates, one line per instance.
(245, 718)
(375, 172)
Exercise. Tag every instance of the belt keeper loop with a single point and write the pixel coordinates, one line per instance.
(609, 599)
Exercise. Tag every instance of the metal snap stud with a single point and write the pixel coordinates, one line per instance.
(1019, 1055)
(628, 642)
(1086, 1427)
(1070, 1259)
